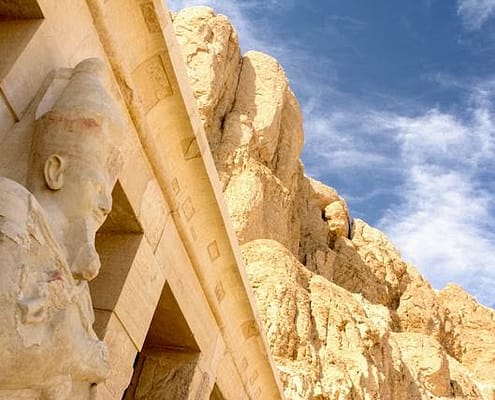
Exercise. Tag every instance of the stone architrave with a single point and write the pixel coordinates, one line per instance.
(47, 243)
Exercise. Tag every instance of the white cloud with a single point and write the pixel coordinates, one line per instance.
(339, 141)
(475, 13)
(443, 220)
(444, 217)
(444, 223)
(440, 138)
(444, 227)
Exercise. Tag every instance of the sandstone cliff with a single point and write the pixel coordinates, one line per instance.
(345, 316)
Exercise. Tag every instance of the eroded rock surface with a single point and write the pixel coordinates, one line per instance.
(470, 336)
(345, 316)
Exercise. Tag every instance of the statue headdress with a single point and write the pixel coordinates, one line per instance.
(85, 121)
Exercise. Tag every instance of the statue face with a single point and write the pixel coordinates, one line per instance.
(86, 193)
(85, 200)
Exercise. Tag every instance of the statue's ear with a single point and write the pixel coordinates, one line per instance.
(54, 172)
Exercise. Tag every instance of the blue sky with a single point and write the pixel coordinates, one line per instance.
(398, 98)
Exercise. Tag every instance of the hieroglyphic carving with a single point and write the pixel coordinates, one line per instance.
(188, 209)
(213, 250)
(194, 234)
(153, 82)
(244, 363)
(250, 329)
(175, 186)
(150, 17)
(47, 249)
(253, 377)
(219, 291)
(190, 148)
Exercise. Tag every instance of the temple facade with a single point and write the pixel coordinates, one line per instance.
(171, 300)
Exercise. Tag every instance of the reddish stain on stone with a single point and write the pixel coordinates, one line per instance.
(89, 122)
(56, 276)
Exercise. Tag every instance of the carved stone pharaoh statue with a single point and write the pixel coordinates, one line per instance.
(48, 347)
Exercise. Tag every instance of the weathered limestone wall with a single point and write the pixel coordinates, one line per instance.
(344, 315)
(172, 294)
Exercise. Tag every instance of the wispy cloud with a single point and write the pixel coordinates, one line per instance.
(348, 149)
(338, 139)
(438, 166)
(348, 22)
(435, 164)
(444, 226)
(444, 222)
(436, 138)
(475, 13)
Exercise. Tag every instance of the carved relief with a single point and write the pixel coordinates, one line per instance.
(188, 209)
(47, 244)
(175, 186)
(213, 251)
(194, 235)
(219, 291)
(150, 17)
(250, 329)
(253, 378)
(152, 80)
(190, 148)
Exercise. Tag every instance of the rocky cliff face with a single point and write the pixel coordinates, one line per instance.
(345, 316)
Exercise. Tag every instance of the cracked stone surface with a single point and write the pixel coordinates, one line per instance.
(344, 315)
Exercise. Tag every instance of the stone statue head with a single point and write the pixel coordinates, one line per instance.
(47, 243)
(74, 163)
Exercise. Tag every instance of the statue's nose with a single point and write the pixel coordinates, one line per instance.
(86, 264)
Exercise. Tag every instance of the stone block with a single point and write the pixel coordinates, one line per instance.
(164, 375)
(153, 213)
(117, 254)
(122, 355)
(186, 288)
(140, 294)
